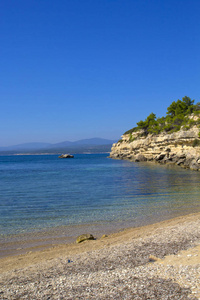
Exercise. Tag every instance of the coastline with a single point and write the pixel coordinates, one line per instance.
(47, 238)
(119, 253)
(180, 148)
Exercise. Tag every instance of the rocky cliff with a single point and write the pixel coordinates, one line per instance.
(181, 148)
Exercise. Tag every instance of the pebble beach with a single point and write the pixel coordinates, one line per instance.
(158, 261)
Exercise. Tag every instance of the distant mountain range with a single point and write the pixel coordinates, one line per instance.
(92, 145)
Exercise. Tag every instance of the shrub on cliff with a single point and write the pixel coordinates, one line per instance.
(134, 129)
(177, 115)
(150, 125)
(196, 142)
(131, 138)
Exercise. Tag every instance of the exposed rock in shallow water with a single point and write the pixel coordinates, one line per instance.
(66, 156)
(174, 148)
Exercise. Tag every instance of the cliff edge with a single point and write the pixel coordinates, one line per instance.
(181, 148)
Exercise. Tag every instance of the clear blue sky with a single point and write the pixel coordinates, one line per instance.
(73, 69)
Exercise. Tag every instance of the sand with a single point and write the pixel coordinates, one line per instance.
(158, 261)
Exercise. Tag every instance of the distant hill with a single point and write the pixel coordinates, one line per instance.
(92, 145)
(92, 141)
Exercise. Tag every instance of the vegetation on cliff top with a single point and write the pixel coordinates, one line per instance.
(178, 115)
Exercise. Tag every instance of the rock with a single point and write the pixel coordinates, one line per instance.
(66, 156)
(188, 161)
(175, 159)
(170, 148)
(194, 166)
(140, 157)
(104, 236)
(153, 258)
(84, 237)
(160, 156)
(180, 161)
(182, 156)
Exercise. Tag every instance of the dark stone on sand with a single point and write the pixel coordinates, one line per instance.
(84, 237)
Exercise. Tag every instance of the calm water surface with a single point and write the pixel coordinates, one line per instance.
(43, 192)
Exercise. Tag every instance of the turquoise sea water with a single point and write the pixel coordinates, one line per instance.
(43, 192)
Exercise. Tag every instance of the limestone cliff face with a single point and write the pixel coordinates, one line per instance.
(175, 148)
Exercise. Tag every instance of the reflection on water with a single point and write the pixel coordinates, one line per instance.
(161, 191)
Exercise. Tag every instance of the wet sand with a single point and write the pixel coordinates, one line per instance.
(34, 241)
(158, 261)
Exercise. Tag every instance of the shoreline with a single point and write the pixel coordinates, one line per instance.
(122, 264)
(22, 243)
(113, 238)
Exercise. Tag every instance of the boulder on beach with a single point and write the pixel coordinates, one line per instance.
(104, 236)
(66, 156)
(84, 237)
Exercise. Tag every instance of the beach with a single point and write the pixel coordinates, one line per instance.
(157, 261)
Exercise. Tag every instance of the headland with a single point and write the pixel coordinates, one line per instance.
(173, 139)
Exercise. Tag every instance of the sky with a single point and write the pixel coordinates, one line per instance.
(75, 69)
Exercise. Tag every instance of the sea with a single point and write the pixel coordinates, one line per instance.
(48, 200)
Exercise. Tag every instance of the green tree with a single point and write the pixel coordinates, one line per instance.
(149, 122)
(188, 102)
(171, 110)
(176, 116)
(180, 107)
(196, 107)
